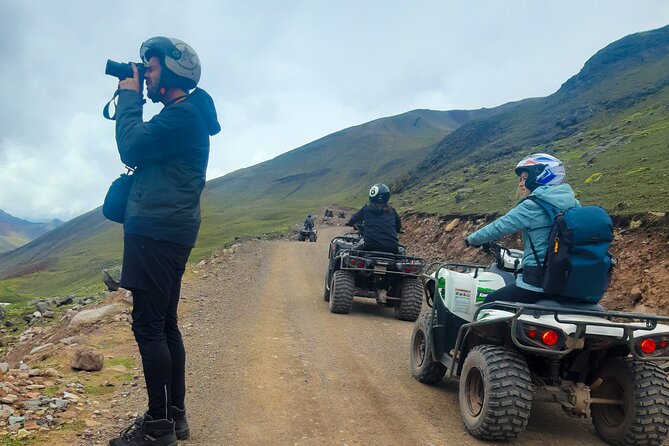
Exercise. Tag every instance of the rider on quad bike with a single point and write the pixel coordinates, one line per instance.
(514, 341)
(541, 176)
(380, 222)
(309, 223)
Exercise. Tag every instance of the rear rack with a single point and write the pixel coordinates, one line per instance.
(380, 257)
(561, 315)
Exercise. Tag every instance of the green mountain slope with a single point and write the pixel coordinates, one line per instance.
(609, 124)
(264, 198)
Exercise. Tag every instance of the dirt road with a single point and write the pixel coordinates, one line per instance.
(268, 363)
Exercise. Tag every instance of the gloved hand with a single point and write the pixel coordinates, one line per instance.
(468, 244)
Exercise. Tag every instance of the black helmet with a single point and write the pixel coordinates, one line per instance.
(180, 60)
(379, 193)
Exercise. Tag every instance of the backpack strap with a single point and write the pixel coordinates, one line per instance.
(552, 212)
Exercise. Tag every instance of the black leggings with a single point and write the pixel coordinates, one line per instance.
(513, 293)
(152, 270)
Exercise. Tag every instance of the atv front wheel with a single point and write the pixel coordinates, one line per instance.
(495, 393)
(423, 365)
(642, 417)
(411, 301)
(342, 289)
(326, 290)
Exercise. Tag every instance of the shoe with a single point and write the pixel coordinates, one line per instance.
(146, 431)
(180, 423)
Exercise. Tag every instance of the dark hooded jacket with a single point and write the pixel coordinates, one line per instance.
(381, 225)
(170, 153)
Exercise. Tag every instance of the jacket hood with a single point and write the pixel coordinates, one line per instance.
(205, 104)
(560, 196)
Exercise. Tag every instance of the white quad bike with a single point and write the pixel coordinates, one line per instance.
(594, 363)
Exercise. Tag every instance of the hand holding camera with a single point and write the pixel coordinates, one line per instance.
(132, 83)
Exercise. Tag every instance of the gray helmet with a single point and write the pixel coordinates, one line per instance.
(379, 193)
(180, 59)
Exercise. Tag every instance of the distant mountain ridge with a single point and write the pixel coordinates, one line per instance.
(15, 232)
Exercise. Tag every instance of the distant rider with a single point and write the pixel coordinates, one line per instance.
(542, 176)
(381, 223)
(309, 223)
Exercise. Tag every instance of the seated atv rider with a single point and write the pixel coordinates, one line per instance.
(380, 221)
(542, 176)
(309, 223)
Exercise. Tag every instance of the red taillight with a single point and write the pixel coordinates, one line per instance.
(352, 262)
(648, 346)
(664, 343)
(549, 337)
(415, 269)
(407, 269)
(532, 333)
(361, 263)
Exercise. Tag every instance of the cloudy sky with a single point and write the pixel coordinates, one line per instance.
(282, 73)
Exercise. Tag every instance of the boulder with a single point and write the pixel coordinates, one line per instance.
(462, 194)
(65, 301)
(109, 280)
(86, 358)
(452, 225)
(95, 315)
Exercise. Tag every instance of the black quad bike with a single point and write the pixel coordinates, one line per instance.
(594, 363)
(392, 279)
(307, 234)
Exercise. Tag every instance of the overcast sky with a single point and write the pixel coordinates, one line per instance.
(282, 73)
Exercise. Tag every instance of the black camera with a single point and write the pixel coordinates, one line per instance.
(124, 70)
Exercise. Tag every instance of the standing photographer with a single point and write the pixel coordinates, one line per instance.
(170, 153)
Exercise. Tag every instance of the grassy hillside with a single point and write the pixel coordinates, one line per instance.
(266, 198)
(609, 124)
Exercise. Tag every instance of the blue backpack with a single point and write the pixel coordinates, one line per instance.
(578, 263)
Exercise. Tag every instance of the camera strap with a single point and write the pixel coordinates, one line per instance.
(105, 110)
(112, 101)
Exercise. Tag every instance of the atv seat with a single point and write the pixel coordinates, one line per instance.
(568, 304)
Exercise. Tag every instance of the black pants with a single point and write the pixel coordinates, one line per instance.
(152, 270)
(513, 293)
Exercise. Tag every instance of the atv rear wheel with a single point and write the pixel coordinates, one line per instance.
(495, 393)
(643, 415)
(312, 237)
(342, 289)
(408, 309)
(423, 365)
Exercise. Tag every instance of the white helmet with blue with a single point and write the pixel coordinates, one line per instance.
(542, 170)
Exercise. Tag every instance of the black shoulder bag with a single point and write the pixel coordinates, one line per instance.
(116, 199)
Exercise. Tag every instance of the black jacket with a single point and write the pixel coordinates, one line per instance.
(380, 227)
(170, 153)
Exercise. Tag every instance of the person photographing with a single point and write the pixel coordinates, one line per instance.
(169, 153)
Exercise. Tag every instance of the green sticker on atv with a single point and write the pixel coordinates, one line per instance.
(482, 293)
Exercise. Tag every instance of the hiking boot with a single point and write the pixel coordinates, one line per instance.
(180, 423)
(146, 431)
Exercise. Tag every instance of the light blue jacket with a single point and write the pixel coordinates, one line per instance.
(534, 222)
